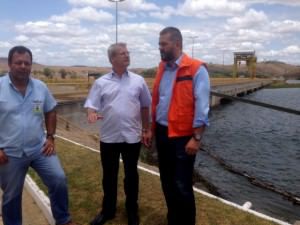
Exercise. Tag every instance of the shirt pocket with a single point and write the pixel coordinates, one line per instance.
(7, 107)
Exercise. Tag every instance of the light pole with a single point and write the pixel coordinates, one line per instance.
(116, 1)
(193, 41)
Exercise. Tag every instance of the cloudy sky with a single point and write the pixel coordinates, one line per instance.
(78, 32)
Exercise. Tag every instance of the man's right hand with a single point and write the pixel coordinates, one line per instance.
(93, 116)
(3, 157)
(147, 138)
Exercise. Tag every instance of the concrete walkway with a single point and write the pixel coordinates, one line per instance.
(32, 215)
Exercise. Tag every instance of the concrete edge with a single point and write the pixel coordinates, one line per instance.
(40, 198)
(245, 207)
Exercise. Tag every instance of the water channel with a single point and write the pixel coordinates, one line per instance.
(259, 141)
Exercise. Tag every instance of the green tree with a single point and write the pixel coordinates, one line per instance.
(48, 72)
(63, 73)
(73, 75)
(149, 72)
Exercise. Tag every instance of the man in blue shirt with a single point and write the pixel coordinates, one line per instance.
(121, 100)
(24, 105)
(180, 105)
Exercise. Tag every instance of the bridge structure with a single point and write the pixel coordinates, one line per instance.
(250, 58)
(236, 87)
(68, 93)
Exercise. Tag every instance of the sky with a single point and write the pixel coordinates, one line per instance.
(78, 32)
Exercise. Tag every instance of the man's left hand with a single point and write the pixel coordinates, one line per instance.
(192, 146)
(49, 147)
(147, 138)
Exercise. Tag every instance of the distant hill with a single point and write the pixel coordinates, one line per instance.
(79, 70)
(263, 69)
(4, 64)
(3, 61)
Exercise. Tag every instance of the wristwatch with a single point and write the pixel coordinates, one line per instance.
(50, 136)
(197, 137)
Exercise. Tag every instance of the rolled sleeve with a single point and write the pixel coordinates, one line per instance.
(93, 100)
(50, 102)
(145, 96)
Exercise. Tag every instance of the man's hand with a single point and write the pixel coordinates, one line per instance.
(3, 157)
(49, 147)
(147, 138)
(93, 116)
(192, 146)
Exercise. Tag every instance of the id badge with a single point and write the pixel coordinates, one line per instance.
(37, 107)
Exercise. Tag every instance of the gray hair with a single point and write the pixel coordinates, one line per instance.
(112, 50)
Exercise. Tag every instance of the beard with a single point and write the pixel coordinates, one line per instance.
(167, 56)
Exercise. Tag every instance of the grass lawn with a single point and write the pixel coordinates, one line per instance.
(283, 85)
(84, 179)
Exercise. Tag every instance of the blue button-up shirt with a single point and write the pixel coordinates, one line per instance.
(119, 100)
(201, 87)
(22, 117)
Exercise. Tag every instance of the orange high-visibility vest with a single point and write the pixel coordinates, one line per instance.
(182, 104)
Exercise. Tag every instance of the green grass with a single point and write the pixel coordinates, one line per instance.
(283, 85)
(84, 180)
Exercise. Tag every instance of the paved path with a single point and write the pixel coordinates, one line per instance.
(32, 215)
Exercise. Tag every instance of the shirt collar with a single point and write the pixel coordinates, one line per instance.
(176, 64)
(113, 74)
(30, 82)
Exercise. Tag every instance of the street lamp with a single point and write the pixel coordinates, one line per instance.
(193, 41)
(116, 1)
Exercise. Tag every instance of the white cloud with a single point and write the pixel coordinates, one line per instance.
(5, 44)
(288, 54)
(129, 5)
(251, 45)
(50, 28)
(22, 38)
(271, 2)
(286, 26)
(86, 13)
(138, 29)
(82, 34)
(253, 35)
(204, 8)
(125, 14)
(137, 5)
(94, 3)
(165, 13)
(252, 19)
(292, 49)
(64, 19)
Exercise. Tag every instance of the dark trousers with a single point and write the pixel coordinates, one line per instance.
(176, 175)
(110, 156)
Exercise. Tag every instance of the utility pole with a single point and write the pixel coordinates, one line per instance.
(116, 1)
(193, 42)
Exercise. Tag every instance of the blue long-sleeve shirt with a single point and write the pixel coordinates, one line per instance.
(201, 87)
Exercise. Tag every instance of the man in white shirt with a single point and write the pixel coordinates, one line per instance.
(121, 99)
